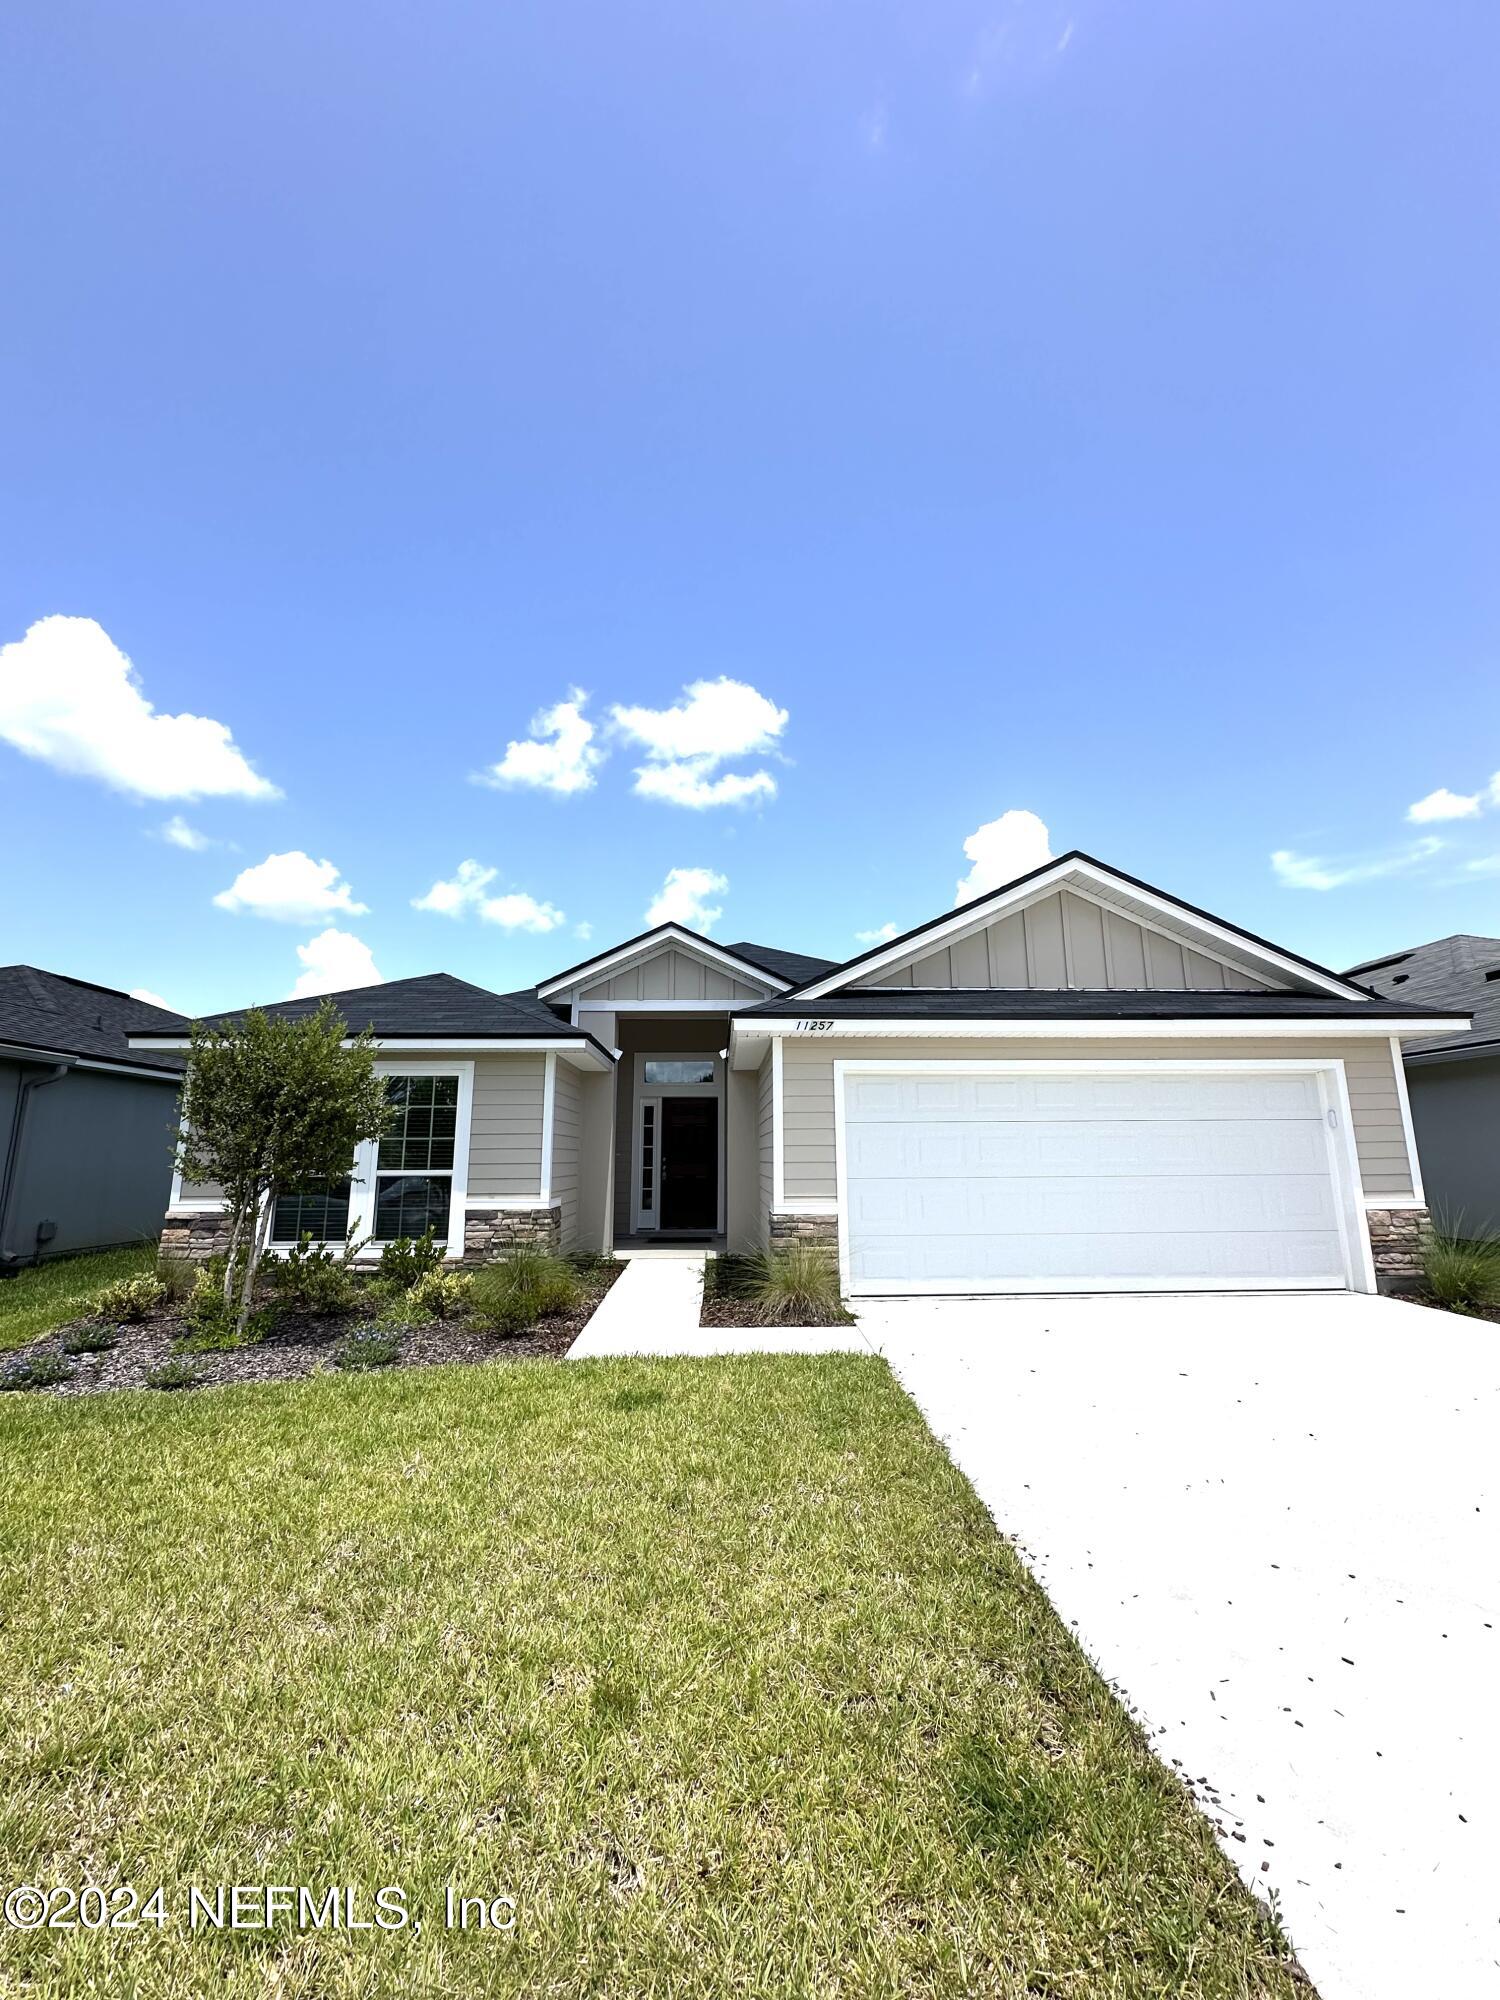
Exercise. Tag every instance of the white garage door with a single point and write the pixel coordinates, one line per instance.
(963, 1180)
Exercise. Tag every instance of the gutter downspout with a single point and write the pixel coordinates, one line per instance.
(10, 1264)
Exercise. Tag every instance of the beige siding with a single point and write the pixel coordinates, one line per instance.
(807, 1092)
(1066, 940)
(201, 1191)
(671, 975)
(505, 1142)
(565, 1128)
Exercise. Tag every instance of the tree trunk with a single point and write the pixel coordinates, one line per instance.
(258, 1237)
(236, 1231)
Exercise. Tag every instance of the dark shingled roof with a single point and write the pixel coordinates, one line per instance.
(1452, 975)
(51, 1013)
(905, 1003)
(794, 965)
(435, 1005)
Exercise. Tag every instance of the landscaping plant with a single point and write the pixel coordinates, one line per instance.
(796, 1284)
(38, 1371)
(407, 1259)
(317, 1277)
(513, 1294)
(1462, 1273)
(438, 1295)
(127, 1300)
(376, 1349)
(92, 1337)
(274, 1103)
(177, 1373)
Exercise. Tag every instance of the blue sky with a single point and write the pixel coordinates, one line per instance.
(1079, 410)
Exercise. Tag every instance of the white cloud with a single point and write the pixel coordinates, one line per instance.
(558, 756)
(688, 784)
(71, 698)
(177, 833)
(332, 961)
(1313, 871)
(1484, 864)
(875, 127)
(1494, 790)
(465, 892)
(686, 744)
(451, 899)
(291, 888)
(1443, 804)
(520, 912)
(683, 899)
(882, 934)
(151, 999)
(583, 932)
(1002, 849)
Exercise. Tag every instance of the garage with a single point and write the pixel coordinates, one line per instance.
(1104, 1177)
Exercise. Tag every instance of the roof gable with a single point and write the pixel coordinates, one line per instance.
(1211, 939)
(739, 975)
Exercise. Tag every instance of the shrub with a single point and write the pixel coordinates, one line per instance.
(37, 1371)
(93, 1337)
(173, 1374)
(409, 1258)
(438, 1295)
(315, 1277)
(796, 1285)
(213, 1323)
(376, 1349)
(129, 1299)
(1462, 1274)
(522, 1288)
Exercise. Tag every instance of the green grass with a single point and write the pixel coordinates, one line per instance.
(48, 1295)
(717, 1667)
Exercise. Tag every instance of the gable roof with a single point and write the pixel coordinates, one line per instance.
(433, 1006)
(53, 1014)
(1461, 972)
(1076, 868)
(726, 955)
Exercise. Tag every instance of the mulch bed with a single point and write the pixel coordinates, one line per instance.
(301, 1344)
(1491, 1313)
(741, 1312)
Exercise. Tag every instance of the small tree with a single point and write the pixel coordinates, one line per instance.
(274, 1103)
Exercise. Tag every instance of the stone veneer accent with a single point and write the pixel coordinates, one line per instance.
(1397, 1236)
(490, 1232)
(804, 1229)
(195, 1235)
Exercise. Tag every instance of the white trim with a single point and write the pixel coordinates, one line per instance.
(985, 910)
(645, 1222)
(514, 1204)
(804, 1204)
(1393, 1201)
(658, 1006)
(1413, 1158)
(1343, 1159)
(198, 1206)
(584, 1054)
(644, 947)
(776, 1027)
(778, 1151)
(549, 1120)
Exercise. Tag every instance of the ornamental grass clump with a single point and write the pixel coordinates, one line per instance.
(1462, 1273)
(795, 1285)
(513, 1294)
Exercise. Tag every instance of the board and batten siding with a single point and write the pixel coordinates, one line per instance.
(505, 1138)
(565, 1128)
(670, 975)
(1065, 940)
(807, 1092)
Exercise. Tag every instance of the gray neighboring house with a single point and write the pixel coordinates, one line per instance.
(1074, 1082)
(1453, 1080)
(86, 1122)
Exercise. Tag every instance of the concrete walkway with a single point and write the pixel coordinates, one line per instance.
(653, 1308)
(1275, 1525)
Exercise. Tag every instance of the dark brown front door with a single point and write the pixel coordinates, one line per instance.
(689, 1163)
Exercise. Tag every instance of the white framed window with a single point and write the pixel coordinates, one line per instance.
(414, 1177)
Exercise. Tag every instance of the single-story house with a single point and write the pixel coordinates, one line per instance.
(1453, 1080)
(86, 1123)
(1073, 1082)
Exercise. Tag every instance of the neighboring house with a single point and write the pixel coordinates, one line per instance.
(86, 1123)
(1454, 1080)
(1075, 1082)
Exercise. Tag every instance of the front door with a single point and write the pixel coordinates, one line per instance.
(689, 1163)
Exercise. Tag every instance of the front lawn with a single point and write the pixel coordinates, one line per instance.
(49, 1295)
(717, 1667)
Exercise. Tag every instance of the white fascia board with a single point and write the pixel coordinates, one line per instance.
(984, 911)
(827, 1028)
(583, 1054)
(654, 941)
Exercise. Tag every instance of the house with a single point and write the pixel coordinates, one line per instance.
(1453, 1080)
(1074, 1082)
(86, 1123)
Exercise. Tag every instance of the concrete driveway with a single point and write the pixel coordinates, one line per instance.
(1275, 1525)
